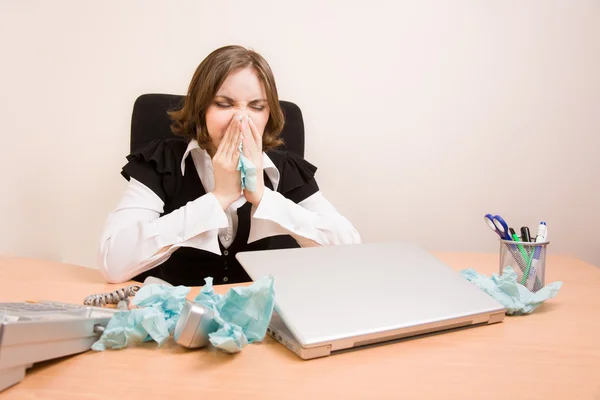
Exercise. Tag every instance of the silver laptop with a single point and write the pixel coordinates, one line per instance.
(334, 298)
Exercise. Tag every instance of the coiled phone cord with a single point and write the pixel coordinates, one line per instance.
(116, 297)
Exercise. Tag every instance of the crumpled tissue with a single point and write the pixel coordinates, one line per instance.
(134, 326)
(247, 172)
(160, 307)
(242, 314)
(505, 289)
(167, 299)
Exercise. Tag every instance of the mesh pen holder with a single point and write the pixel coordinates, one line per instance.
(527, 259)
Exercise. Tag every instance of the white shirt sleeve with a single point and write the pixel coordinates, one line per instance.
(136, 239)
(312, 222)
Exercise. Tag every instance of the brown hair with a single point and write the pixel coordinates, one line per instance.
(190, 121)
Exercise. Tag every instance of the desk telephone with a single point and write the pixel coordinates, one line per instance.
(31, 332)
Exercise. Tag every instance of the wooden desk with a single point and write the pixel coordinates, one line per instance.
(552, 353)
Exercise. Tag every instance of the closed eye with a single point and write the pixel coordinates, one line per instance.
(228, 104)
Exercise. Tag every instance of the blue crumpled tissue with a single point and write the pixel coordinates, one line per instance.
(242, 314)
(247, 172)
(505, 289)
(160, 307)
(134, 326)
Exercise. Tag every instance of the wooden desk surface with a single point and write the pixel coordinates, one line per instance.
(552, 353)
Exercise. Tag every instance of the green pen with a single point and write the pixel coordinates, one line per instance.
(526, 258)
(526, 273)
(517, 239)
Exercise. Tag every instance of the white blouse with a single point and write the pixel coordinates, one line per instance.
(136, 238)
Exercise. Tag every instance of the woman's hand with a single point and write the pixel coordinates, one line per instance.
(252, 148)
(225, 161)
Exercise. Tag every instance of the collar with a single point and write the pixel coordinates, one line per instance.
(203, 163)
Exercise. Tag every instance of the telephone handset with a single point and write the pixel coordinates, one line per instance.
(193, 326)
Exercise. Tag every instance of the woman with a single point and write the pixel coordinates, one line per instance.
(184, 214)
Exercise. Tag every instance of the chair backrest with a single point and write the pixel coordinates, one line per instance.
(150, 121)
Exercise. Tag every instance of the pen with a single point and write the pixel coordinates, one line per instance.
(525, 234)
(527, 269)
(514, 235)
(517, 239)
(540, 237)
(542, 233)
(526, 237)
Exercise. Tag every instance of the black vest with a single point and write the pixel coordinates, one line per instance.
(190, 266)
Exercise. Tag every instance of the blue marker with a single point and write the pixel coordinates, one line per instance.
(542, 233)
(541, 237)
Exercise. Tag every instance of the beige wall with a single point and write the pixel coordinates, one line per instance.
(422, 116)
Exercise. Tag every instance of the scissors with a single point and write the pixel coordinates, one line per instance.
(498, 225)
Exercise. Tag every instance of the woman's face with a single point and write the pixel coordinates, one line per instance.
(242, 93)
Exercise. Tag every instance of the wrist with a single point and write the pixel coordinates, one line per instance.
(224, 200)
(258, 195)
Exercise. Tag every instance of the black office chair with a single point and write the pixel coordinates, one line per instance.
(150, 121)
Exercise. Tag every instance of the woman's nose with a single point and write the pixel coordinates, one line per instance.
(240, 113)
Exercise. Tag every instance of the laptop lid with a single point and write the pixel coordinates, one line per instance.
(331, 293)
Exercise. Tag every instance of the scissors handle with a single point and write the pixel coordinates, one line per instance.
(498, 225)
(502, 227)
